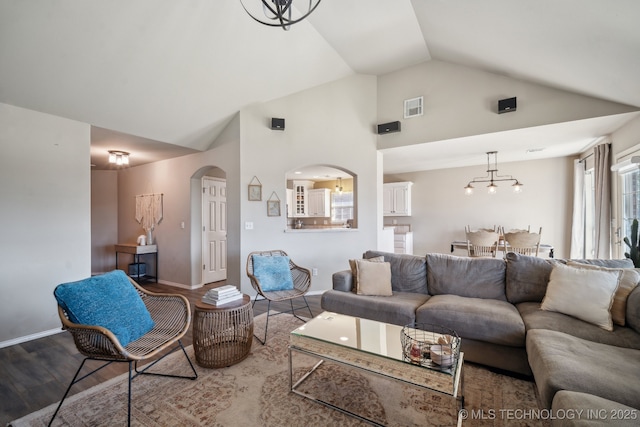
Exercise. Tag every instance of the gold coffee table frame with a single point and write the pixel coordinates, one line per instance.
(350, 342)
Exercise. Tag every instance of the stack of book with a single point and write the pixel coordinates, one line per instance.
(222, 295)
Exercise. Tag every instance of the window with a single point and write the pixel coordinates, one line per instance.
(630, 197)
(341, 206)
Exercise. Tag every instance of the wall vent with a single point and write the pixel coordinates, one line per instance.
(413, 107)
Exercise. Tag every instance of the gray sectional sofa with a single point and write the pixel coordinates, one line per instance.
(494, 306)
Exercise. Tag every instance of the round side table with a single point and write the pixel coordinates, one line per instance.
(222, 336)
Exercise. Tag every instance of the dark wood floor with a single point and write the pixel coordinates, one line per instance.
(35, 374)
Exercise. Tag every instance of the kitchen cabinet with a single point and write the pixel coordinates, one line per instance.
(403, 243)
(396, 199)
(319, 202)
(289, 203)
(301, 198)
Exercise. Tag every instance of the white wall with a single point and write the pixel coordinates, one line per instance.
(626, 137)
(45, 216)
(441, 210)
(461, 101)
(104, 220)
(333, 125)
(172, 178)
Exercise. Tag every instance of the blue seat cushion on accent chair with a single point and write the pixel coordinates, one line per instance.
(108, 300)
(272, 272)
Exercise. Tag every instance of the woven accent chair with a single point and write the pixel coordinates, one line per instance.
(301, 283)
(522, 242)
(171, 315)
(482, 243)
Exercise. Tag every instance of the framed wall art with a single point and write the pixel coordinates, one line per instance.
(273, 205)
(255, 190)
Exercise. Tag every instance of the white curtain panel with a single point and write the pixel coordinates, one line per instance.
(578, 223)
(602, 177)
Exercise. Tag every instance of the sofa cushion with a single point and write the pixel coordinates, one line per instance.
(563, 362)
(408, 272)
(373, 278)
(633, 309)
(585, 294)
(535, 318)
(466, 277)
(575, 409)
(398, 309)
(608, 263)
(343, 281)
(488, 320)
(527, 277)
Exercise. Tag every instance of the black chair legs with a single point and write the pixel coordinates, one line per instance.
(132, 374)
(292, 311)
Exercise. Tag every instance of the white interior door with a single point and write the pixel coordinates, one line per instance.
(214, 228)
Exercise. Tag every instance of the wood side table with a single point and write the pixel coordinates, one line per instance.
(222, 336)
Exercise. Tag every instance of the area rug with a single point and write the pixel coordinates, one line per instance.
(255, 392)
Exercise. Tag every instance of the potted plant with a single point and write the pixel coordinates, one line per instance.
(634, 252)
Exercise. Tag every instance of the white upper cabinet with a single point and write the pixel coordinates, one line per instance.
(396, 199)
(319, 202)
(301, 198)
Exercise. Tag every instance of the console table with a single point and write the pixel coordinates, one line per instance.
(137, 251)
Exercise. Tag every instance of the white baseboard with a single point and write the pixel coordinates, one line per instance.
(31, 337)
(179, 285)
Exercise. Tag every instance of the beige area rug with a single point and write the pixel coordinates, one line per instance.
(255, 392)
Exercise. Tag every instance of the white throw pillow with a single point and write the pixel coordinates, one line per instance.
(374, 278)
(629, 278)
(354, 270)
(581, 293)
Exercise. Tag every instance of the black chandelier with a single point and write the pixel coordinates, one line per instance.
(278, 13)
(492, 177)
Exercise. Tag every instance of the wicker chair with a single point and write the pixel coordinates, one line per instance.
(301, 284)
(482, 243)
(172, 316)
(522, 242)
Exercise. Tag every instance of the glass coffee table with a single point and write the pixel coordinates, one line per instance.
(371, 346)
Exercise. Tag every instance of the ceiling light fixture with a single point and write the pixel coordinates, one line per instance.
(118, 158)
(339, 185)
(492, 177)
(278, 13)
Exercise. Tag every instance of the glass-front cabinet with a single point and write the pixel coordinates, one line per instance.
(301, 198)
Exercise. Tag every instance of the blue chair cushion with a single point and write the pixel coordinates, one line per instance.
(273, 272)
(108, 300)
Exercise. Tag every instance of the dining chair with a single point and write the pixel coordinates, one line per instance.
(481, 243)
(522, 242)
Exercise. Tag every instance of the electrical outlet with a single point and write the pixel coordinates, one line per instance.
(248, 225)
(314, 271)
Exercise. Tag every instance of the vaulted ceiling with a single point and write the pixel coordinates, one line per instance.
(176, 71)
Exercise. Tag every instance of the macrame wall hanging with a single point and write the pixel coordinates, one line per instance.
(149, 212)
